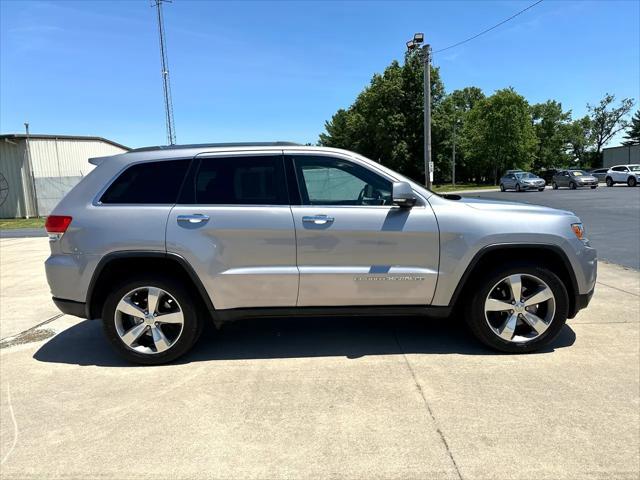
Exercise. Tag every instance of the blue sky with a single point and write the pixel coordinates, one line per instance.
(277, 70)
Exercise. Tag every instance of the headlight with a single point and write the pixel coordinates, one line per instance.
(578, 229)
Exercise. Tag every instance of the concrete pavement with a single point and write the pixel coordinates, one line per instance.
(328, 398)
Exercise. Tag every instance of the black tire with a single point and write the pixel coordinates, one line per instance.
(609, 181)
(191, 329)
(593, 187)
(502, 189)
(541, 189)
(479, 326)
(631, 181)
(554, 185)
(572, 186)
(518, 189)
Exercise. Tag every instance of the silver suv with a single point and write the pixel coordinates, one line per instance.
(158, 241)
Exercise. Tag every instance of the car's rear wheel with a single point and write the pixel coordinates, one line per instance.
(518, 308)
(631, 181)
(609, 181)
(502, 189)
(572, 186)
(554, 185)
(151, 320)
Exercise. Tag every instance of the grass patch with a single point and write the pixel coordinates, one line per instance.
(460, 186)
(13, 223)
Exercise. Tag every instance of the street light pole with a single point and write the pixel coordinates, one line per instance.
(427, 114)
(412, 45)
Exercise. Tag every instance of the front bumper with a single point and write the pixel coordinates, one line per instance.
(581, 301)
(532, 186)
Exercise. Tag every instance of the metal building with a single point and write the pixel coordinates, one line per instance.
(622, 155)
(38, 170)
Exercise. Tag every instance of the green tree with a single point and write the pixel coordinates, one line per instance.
(580, 139)
(551, 126)
(448, 121)
(633, 133)
(499, 134)
(385, 123)
(606, 121)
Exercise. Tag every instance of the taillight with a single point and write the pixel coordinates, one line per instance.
(57, 223)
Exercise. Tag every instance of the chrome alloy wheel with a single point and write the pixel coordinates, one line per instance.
(149, 320)
(520, 308)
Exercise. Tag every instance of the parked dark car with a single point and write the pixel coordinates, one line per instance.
(573, 179)
(548, 174)
(599, 173)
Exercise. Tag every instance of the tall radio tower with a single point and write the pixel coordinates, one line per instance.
(166, 84)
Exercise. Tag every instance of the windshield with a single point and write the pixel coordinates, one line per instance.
(634, 168)
(578, 173)
(525, 175)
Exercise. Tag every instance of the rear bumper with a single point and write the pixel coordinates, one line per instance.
(71, 307)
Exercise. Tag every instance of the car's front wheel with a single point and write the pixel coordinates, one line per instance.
(151, 320)
(502, 189)
(518, 308)
(554, 185)
(593, 187)
(609, 182)
(541, 189)
(518, 187)
(631, 181)
(572, 186)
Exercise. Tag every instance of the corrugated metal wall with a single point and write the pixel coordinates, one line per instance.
(58, 164)
(620, 155)
(17, 200)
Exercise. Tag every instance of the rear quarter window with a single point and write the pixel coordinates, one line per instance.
(147, 183)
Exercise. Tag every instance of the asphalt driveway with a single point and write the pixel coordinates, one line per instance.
(611, 216)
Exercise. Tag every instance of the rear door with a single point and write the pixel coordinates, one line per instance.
(354, 246)
(233, 224)
(563, 179)
(623, 174)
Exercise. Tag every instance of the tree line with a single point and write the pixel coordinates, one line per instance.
(489, 133)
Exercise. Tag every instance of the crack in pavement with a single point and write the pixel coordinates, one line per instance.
(11, 338)
(619, 289)
(427, 406)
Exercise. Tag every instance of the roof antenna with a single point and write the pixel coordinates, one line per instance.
(166, 84)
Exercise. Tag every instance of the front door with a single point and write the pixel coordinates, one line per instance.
(354, 247)
(233, 225)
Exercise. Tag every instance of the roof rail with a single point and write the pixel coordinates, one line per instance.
(216, 145)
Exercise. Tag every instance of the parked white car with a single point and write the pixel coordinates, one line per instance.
(629, 174)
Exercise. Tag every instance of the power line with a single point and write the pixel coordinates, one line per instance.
(491, 28)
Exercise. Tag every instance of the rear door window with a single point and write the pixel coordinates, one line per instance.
(147, 183)
(251, 180)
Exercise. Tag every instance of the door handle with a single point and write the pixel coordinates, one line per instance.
(194, 218)
(318, 219)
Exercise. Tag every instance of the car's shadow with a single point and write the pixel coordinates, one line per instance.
(84, 343)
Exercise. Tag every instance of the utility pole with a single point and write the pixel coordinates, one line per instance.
(453, 160)
(414, 44)
(30, 166)
(166, 84)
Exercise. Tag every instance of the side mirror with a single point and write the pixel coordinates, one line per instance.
(403, 195)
